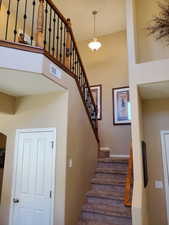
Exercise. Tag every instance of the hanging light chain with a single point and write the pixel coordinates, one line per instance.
(95, 44)
(94, 15)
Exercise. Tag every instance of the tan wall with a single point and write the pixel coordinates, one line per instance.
(142, 49)
(11, 23)
(156, 118)
(55, 110)
(139, 203)
(109, 67)
(3, 21)
(12, 19)
(33, 112)
(7, 104)
(148, 48)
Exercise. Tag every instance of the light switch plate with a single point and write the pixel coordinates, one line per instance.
(158, 184)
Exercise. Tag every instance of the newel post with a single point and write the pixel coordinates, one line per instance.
(40, 25)
(68, 45)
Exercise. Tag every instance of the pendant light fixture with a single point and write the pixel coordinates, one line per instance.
(94, 45)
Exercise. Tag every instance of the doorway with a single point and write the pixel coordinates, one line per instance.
(165, 153)
(34, 177)
(3, 139)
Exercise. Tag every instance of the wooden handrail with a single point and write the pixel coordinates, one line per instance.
(68, 25)
(129, 182)
(50, 2)
(77, 51)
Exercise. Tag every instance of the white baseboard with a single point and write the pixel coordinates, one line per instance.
(119, 156)
(105, 149)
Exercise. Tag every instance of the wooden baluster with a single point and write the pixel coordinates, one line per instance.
(129, 182)
(68, 45)
(40, 25)
(97, 127)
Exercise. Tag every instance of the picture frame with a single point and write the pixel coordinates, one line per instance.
(121, 106)
(96, 91)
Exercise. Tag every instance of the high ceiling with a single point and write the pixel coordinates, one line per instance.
(111, 17)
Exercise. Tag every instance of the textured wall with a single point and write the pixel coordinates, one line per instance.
(148, 48)
(109, 67)
(156, 118)
(55, 110)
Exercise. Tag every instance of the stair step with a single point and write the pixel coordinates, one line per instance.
(108, 210)
(105, 202)
(93, 222)
(103, 219)
(113, 160)
(107, 181)
(106, 214)
(111, 171)
(106, 195)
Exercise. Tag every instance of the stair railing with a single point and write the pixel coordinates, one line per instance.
(39, 24)
(129, 182)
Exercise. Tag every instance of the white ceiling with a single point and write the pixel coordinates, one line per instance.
(155, 90)
(20, 83)
(111, 17)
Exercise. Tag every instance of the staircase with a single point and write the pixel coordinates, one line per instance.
(105, 202)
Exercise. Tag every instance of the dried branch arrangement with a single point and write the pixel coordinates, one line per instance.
(159, 26)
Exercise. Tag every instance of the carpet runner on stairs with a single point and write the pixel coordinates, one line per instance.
(105, 202)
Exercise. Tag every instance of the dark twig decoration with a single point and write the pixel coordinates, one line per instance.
(159, 27)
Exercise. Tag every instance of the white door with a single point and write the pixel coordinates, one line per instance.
(165, 152)
(32, 202)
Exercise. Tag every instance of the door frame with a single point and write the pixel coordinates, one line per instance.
(18, 132)
(166, 170)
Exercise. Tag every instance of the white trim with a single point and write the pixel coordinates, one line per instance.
(119, 156)
(105, 149)
(18, 132)
(166, 170)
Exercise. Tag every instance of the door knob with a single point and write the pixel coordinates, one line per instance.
(15, 200)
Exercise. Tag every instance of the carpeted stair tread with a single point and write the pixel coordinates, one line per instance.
(107, 181)
(106, 194)
(107, 210)
(113, 160)
(111, 171)
(94, 222)
(105, 201)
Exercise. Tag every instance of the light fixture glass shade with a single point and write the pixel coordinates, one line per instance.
(94, 45)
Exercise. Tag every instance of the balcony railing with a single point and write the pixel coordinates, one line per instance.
(40, 25)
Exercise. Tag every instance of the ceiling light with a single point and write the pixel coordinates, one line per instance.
(94, 45)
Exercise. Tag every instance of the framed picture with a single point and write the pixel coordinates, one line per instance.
(121, 106)
(97, 95)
